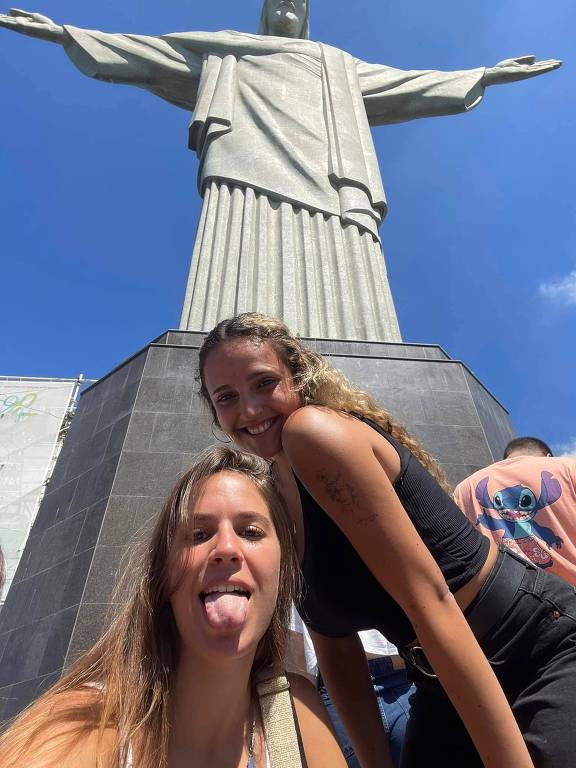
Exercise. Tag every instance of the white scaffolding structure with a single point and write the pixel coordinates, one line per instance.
(35, 414)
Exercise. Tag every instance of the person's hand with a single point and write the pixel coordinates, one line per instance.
(523, 67)
(34, 25)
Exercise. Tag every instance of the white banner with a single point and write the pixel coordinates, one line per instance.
(31, 417)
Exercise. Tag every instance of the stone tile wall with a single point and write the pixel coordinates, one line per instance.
(441, 404)
(42, 604)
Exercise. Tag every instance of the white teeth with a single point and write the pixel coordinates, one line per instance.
(224, 588)
(260, 428)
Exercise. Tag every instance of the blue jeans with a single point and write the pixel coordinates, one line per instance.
(392, 689)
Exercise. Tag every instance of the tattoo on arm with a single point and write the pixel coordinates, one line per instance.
(346, 495)
(338, 489)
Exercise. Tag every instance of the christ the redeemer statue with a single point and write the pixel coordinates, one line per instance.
(293, 198)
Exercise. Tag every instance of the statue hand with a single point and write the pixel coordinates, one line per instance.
(523, 67)
(34, 25)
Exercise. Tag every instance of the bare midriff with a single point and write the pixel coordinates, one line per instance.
(468, 592)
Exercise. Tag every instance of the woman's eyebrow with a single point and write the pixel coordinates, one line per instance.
(246, 515)
(202, 517)
(254, 517)
(253, 375)
(220, 388)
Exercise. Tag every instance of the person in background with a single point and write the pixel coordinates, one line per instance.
(389, 678)
(187, 675)
(527, 502)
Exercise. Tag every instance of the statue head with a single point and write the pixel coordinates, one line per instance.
(285, 18)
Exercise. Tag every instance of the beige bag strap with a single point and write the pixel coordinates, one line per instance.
(279, 723)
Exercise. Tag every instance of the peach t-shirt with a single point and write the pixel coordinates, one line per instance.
(527, 503)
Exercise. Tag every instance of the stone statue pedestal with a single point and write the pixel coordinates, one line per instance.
(136, 429)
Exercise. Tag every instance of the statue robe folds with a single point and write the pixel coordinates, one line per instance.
(293, 197)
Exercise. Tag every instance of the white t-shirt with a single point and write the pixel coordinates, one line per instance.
(302, 657)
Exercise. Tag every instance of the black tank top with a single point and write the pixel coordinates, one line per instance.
(340, 595)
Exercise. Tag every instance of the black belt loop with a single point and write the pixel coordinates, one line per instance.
(539, 582)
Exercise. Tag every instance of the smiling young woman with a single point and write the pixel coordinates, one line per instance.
(490, 641)
(177, 680)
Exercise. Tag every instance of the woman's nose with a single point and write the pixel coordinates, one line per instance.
(250, 405)
(226, 546)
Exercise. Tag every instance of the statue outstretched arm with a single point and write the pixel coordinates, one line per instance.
(511, 70)
(169, 66)
(33, 25)
(394, 95)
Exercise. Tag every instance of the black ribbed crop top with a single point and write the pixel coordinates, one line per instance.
(340, 595)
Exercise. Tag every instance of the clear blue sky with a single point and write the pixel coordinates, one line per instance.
(99, 203)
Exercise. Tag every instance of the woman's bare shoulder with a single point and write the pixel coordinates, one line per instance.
(315, 423)
(320, 744)
(315, 432)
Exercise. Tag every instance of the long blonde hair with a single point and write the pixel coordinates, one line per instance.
(127, 675)
(317, 381)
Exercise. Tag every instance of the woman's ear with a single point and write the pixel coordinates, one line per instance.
(215, 425)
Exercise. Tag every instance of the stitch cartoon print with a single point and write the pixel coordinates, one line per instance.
(517, 507)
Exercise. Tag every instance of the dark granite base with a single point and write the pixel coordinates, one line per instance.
(136, 430)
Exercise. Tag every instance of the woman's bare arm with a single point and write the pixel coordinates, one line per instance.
(320, 744)
(334, 458)
(345, 672)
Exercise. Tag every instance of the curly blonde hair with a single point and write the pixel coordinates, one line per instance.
(317, 381)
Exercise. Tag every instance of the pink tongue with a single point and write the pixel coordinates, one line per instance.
(226, 610)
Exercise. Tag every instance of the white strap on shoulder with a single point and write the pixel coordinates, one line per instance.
(278, 720)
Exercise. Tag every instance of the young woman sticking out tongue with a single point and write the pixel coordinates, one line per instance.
(383, 546)
(172, 683)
